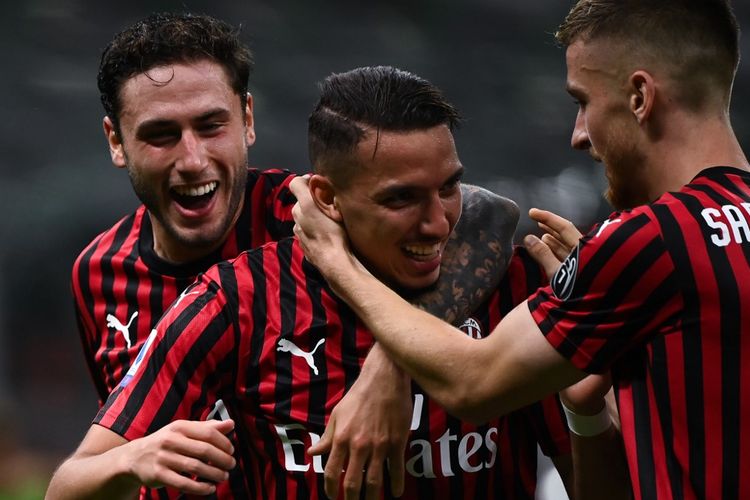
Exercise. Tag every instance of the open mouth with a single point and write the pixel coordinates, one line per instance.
(194, 197)
(422, 252)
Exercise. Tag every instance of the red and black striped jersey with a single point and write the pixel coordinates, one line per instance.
(121, 287)
(661, 294)
(265, 335)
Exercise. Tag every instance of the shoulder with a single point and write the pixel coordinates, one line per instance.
(272, 176)
(119, 238)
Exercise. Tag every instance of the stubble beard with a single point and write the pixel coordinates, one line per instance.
(201, 240)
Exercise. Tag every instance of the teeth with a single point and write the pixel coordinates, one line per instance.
(195, 190)
(422, 250)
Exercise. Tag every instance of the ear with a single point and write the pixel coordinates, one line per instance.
(324, 194)
(249, 120)
(643, 95)
(115, 143)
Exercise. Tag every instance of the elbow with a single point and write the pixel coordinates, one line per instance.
(470, 402)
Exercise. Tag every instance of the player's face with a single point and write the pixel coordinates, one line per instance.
(605, 126)
(401, 208)
(184, 142)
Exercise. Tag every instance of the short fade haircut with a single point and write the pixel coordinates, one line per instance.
(380, 97)
(697, 39)
(169, 38)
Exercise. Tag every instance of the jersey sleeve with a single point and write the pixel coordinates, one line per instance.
(615, 290)
(185, 366)
(272, 203)
(87, 334)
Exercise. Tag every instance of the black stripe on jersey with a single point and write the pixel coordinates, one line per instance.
(108, 275)
(131, 287)
(455, 482)
(635, 364)
(349, 352)
(277, 228)
(729, 306)
(728, 184)
(691, 342)
(660, 380)
(288, 322)
(84, 285)
(318, 329)
(288, 319)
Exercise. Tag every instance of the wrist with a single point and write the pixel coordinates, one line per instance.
(588, 425)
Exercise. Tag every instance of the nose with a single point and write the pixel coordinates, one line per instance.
(192, 154)
(435, 222)
(580, 138)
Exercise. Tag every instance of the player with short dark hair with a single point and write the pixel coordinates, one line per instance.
(179, 118)
(263, 340)
(659, 292)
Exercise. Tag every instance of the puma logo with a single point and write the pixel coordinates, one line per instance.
(113, 322)
(289, 346)
(184, 294)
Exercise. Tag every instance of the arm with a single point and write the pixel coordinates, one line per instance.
(598, 466)
(107, 466)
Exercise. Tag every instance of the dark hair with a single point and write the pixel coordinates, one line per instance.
(697, 39)
(380, 97)
(168, 38)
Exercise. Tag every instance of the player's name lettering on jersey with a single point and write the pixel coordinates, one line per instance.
(730, 223)
(421, 462)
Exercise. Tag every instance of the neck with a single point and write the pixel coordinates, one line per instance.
(689, 144)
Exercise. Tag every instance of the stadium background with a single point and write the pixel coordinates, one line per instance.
(495, 59)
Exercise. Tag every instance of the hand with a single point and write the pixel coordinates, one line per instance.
(560, 238)
(198, 449)
(370, 425)
(318, 234)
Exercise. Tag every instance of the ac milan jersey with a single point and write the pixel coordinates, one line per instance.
(265, 335)
(121, 287)
(661, 295)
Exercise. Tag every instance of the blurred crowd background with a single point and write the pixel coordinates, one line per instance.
(495, 59)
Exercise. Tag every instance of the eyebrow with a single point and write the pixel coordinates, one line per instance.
(158, 123)
(402, 188)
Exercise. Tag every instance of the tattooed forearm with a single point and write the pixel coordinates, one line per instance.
(476, 256)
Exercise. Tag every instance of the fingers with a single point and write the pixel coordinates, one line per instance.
(374, 476)
(324, 444)
(542, 254)
(562, 229)
(199, 449)
(353, 477)
(185, 484)
(333, 469)
(560, 251)
(397, 471)
(299, 186)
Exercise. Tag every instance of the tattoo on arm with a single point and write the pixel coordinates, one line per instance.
(475, 257)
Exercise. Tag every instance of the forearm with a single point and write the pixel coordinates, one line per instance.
(102, 476)
(388, 317)
(600, 467)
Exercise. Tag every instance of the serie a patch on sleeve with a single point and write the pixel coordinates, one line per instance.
(138, 360)
(565, 278)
